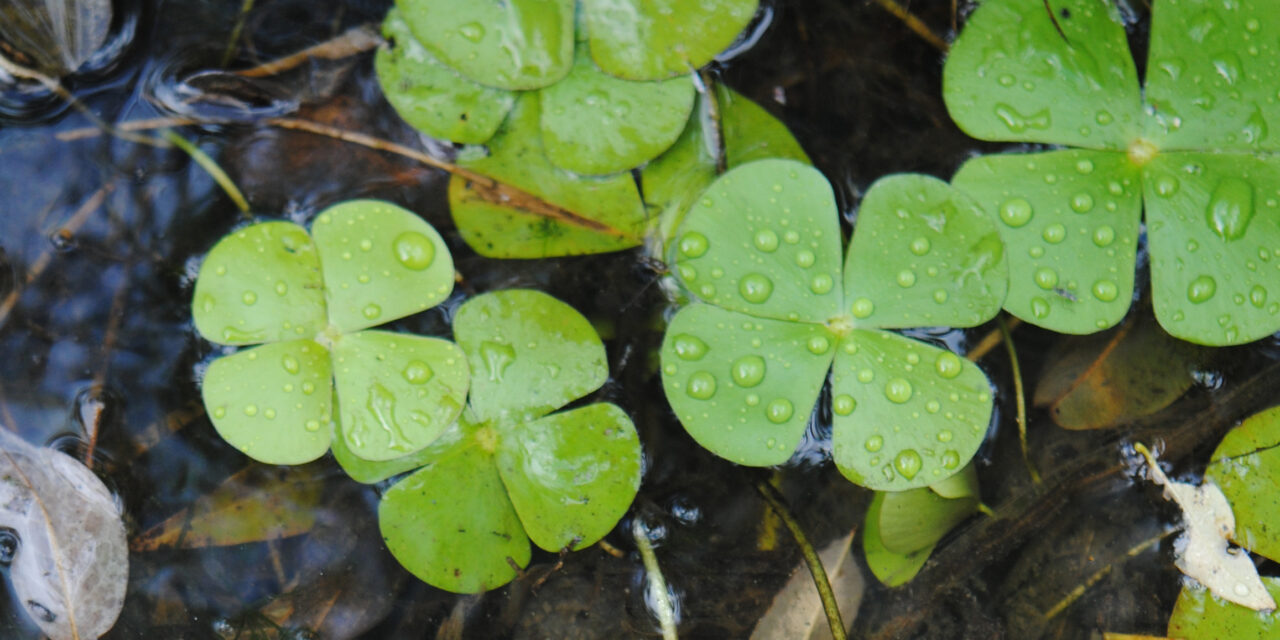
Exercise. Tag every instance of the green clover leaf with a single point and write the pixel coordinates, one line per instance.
(743, 365)
(1198, 615)
(902, 527)
(509, 471)
(1246, 466)
(1191, 147)
(653, 39)
(366, 262)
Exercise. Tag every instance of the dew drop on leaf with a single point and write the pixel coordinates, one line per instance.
(748, 371)
(948, 365)
(898, 390)
(701, 386)
(766, 240)
(908, 463)
(1016, 212)
(920, 246)
(1046, 278)
(1230, 208)
(779, 410)
(1201, 289)
(1103, 236)
(843, 404)
(693, 244)
(690, 347)
(414, 250)
(874, 443)
(755, 288)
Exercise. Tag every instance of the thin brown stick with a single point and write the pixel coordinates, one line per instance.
(131, 125)
(41, 263)
(486, 188)
(915, 24)
(353, 41)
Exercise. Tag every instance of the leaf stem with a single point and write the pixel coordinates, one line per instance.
(915, 24)
(811, 559)
(210, 166)
(657, 584)
(1020, 397)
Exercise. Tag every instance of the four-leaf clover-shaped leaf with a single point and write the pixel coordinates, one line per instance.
(743, 365)
(311, 299)
(510, 471)
(1191, 147)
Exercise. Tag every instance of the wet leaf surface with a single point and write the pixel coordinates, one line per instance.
(1115, 377)
(652, 39)
(1200, 616)
(71, 565)
(1246, 466)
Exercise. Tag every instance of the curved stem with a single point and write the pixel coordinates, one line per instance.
(1019, 396)
(811, 559)
(657, 584)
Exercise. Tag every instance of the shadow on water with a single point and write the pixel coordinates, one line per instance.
(100, 240)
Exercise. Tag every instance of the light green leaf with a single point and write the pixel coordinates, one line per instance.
(509, 44)
(595, 124)
(397, 392)
(373, 471)
(529, 353)
(653, 39)
(381, 262)
(890, 568)
(1069, 220)
(1058, 72)
(1210, 75)
(1215, 245)
(923, 254)
(572, 475)
(905, 414)
(451, 523)
(675, 179)
(432, 97)
(1200, 616)
(961, 485)
(764, 240)
(260, 284)
(273, 402)
(744, 387)
(917, 519)
(1246, 466)
(557, 213)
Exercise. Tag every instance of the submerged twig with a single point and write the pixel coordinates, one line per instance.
(1100, 574)
(915, 24)
(351, 42)
(657, 584)
(1020, 398)
(210, 166)
(245, 8)
(811, 559)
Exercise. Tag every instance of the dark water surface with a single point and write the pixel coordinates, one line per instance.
(99, 242)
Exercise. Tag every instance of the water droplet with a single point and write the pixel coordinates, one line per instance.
(906, 278)
(791, 237)
(866, 375)
(748, 371)
(689, 347)
(843, 404)
(707, 290)
(1081, 203)
(944, 436)
(313, 425)
(950, 459)
(693, 245)
(1036, 252)
(1192, 245)
(948, 365)
(1103, 236)
(821, 284)
(898, 390)
(282, 288)
(755, 288)
(1016, 212)
(270, 414)
(251, 410)
(939, 295)
(1166, 186)
(779, 410)
(249, 297)
(874, 444)
(752, 399)
(417, 372)
(371, 311)
(819, 345)
(805, 258)
(1258, 296)
(1227, 64)
(863, 307)
(1054, 233)
(687, 272)
(473, 31)
(1102, 117)
(920, 246)
(220, 412)
(414, 250)
(766, 240)
(1006, 80)
(908, 463)
(497, 357)
(1017, 122)
(291, 364)
(1046, 278)
(1201, 289)
(1039, 307)
(1084, 167)
(1230, 208)
(1105, 290)
(702, 385)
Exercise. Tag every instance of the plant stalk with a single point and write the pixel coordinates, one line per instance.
(811, 559)
(657, 584)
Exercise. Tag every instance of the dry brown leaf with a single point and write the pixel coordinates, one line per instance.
(796, 612)
(72, 564)
(258, 503)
